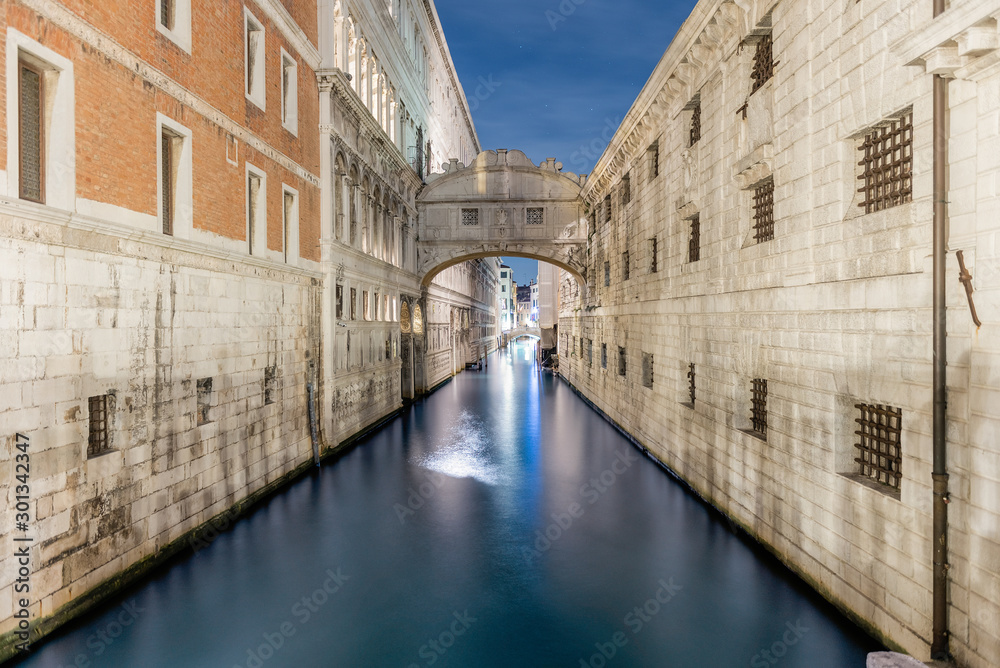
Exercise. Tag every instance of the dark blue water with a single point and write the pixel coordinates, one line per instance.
(427, 546)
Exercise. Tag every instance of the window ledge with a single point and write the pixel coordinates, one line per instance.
(881, 488)
(755, 434)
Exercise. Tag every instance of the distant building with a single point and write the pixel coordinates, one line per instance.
(523, 305)
(506, 298)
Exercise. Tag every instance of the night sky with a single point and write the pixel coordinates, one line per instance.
(555, 78)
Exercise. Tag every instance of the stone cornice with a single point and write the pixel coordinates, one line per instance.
(450, 65)
(108, 47)
(685, 65)
(950, 42)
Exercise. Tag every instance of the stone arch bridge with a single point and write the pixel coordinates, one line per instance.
(502, 205)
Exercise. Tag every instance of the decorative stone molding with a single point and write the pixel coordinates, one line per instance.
(755, 167)
(955, 44)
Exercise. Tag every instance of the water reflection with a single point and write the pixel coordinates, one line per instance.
(498, 523)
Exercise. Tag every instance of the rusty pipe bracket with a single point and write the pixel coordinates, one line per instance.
(966, 279)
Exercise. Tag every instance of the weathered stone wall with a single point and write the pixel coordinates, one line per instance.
(87, 312)
(835, 310)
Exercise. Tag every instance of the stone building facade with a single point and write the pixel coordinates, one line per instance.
(207, 248)
(760, 291)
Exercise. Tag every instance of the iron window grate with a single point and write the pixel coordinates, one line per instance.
(879, 448)
(204, 400)
(763, 212)
(621, 361)
(887, 174)
(99, 439)
(695, 133)
(694, 243)
(607, 274)
(607, 208)
(625, 266)
(758, 407)
(536, 216)
(470, 216)
(691, 382)
(763, 63)
(653, 267)
(626, 189)
(604, 356)
(654, 160)
(647, 370)
(270, 384)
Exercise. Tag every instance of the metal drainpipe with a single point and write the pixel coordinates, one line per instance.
(939, 642)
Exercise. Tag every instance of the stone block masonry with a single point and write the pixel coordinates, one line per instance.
(833, 312)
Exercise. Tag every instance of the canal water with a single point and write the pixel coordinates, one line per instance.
(501, 522)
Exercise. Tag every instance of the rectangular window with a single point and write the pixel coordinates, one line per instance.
(694, 242)
(621, 361)
(340, 302)
(625, 266)
(691, 383)
(376, 307)
(253, 209)
(204, 400)
(289, 225)
(101, 409)
(173, 21)
(607, 274)
(607, 208)
(31, 133)
(763, 64)
(289, 93)
(270, 384)
(647, 370)
(653, 266)
(536, 216)
(590, 352)
(354, 303)
(887, 165)
(470, 216)
(626, 189)
(167, 180)
(604, 356)
(253, 48)
(879, 448)
(365, 306)
(758, 407)
(694, 133)
(763, 211)
(653, 152)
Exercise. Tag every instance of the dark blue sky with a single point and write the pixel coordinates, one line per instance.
(555, 78)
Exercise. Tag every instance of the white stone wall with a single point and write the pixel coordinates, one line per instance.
(89, 311)
(833, 311)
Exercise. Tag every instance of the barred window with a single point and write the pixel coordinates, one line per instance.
(604, 356)
(763, 63)
(590, 352)
(607, 274)
(270, 384)
(879, 449)
(763, 211)
(536, 216)
(654, 160)
(691, 383)
(625, 266)
(626, 189)
(887, 165)
(758, 407)
(204, 400)
(621, 361)
(694, 242)
(470, 216)
(607, 208)
(694, 133)
(647, 370)
(31, 133)
(100, 410)
(354, 303)
(653, 268)
(340, 302)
